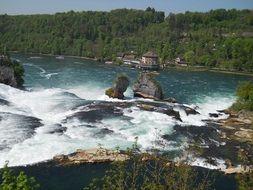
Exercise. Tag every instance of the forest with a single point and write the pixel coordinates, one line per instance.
(219, 38)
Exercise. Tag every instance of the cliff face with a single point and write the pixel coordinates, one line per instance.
(7, 76)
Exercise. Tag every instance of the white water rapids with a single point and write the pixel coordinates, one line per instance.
(33, 125)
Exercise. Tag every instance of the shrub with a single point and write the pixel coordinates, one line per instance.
(244, 94)
(20, 182)
(19, 72)
(149, 172)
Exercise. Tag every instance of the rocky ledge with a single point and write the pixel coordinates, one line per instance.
(239, 125)
(119, 87)
(147, 87)
(7, 76)
(99, 155)
(11, 72)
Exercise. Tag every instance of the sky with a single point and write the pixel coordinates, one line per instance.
(16, 7)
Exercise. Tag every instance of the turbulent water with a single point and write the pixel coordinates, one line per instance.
(63, 109)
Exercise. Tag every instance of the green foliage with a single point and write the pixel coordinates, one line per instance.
(20, 182)
(19, 72)
(216, 34)
(245, 180)
(148, 172)
(244, 94)
(190, 57)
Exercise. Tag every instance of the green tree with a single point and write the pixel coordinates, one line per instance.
(244, 94)
(220, 34)
(20, 182)
(148, 172)
(190, 57)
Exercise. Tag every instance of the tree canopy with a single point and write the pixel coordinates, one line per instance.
(218, 38)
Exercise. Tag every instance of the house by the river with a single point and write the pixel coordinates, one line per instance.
(149, 61)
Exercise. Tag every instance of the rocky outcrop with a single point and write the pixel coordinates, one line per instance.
(156, 108)
(11, 72)
(7, 76)
(239, 124)
(147, 87)
(238, 169)
(190, 111)
(90, 156)
(119, 87)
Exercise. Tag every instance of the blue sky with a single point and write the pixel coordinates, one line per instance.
(52, 6)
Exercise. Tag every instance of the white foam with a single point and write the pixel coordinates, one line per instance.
(202, 162)
(147, 126)
(52, 106)
(206, 105)
(43, 73)
(91, 91)
(88, 91)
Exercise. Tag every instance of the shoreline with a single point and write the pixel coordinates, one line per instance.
(101, 155)
(53, 55)
(179, 68)
(203, 69)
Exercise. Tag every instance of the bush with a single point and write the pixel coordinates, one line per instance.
(19, 72)
(244, 94)
(149, 172)
(20, 182)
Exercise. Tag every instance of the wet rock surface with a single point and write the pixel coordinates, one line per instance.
(7, 76)
(239, 126)
(24, 128)
(90, 156)
(119, 87)
(96, 111)
(147, 87)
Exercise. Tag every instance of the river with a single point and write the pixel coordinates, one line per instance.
(37, 124)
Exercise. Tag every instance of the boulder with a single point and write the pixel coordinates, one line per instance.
(99, 155)
(119, 87)
(7, 76)
(11, 72)
(190, 111)
(215, 115)
(147, 87)
(173, 113)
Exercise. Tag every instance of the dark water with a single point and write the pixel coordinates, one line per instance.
(51, 177)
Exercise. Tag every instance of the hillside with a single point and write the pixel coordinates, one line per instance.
(219, 38)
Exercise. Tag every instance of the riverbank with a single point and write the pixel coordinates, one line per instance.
(52, 55)
(101, 155)
(203, 69)
(240, 125)
(183, 68)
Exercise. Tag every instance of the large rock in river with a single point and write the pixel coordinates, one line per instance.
(147, 87)
(7, 76)
(119, 87)
(11, 72)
